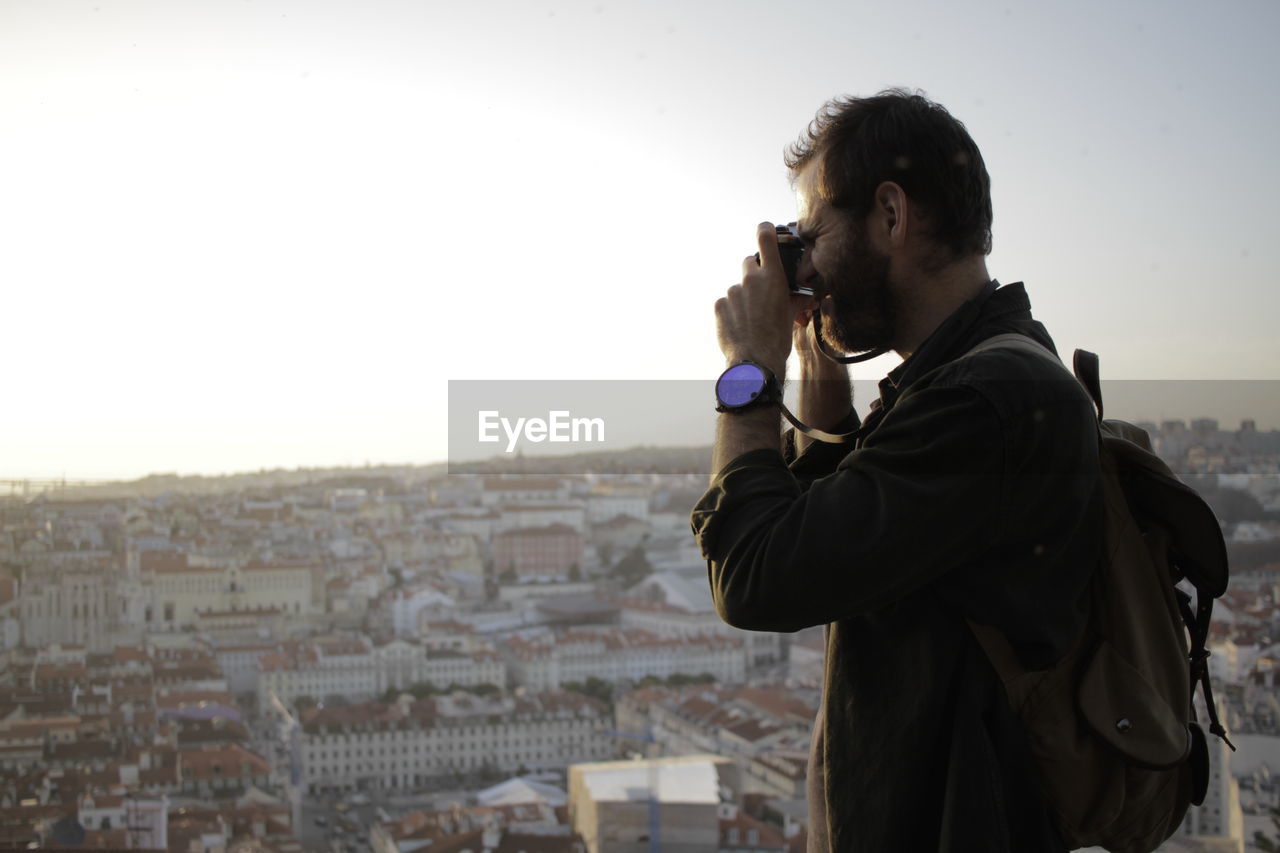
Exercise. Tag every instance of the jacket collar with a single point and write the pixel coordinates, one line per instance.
(994, 311)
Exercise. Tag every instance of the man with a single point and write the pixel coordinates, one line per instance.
(971, 491)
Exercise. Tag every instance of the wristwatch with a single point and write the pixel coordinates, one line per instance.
(745, 386)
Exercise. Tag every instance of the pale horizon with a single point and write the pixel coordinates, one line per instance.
(267, 234)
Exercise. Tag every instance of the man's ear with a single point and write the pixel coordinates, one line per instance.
(890, 214)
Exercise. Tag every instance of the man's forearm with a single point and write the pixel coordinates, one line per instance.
(741, 432)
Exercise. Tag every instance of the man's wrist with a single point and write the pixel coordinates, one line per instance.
(779, 371)
(769, 413)
(758, 428)
(818, 366)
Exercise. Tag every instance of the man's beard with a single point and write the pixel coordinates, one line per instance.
(862, 312)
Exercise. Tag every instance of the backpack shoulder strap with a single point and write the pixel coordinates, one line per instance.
(1015, 341)
(1085, 365)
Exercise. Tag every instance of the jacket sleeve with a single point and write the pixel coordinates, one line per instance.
(818, 459)
(920, 498)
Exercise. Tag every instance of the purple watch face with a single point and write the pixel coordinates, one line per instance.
(740, 384)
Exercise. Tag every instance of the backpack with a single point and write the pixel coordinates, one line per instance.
(1112, 726)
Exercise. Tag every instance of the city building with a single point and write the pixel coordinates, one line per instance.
(550, 660)
(411, 743)
(538, 554)
(619, 806)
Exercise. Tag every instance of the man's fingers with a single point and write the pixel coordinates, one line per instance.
(801, 303)
(767, 240)
(725, 308)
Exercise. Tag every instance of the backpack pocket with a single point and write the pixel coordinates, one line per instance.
(1125, 785)
(1129, 714)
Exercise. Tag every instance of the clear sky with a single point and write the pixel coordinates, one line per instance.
(260, 233)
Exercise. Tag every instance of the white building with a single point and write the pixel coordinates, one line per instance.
(455, 549)
(610, 803)
(478, 524)
(145, 819)
(1220, 815)
(521, 516)
(78, 605)
(523, 490)
(179, 591)
(402, 664)
(353, 667)
(551, 660)
(680, 604)
(335, 666)
(239, 663)
(758, 647)
(604, 505)
(407, 605)
(413, 743)
(1224, 662)
(10, 632)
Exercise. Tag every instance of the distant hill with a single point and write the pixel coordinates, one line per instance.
(157, 485)
(384, 478)
(635, 460)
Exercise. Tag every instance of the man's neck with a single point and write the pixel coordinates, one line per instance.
(929, 299)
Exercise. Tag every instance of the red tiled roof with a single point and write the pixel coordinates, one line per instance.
(538, 532)
(768, 836)
(622, 520)
(165, 561)
(775, 701)
(128, 654)
(277, 567)
(184, 698)
(232, 761)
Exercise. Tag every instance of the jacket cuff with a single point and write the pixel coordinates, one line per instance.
(754, 474)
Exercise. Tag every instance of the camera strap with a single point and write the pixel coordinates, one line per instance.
(814, 432)
(817, 434)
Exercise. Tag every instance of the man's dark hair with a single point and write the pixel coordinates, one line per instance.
(902, 137)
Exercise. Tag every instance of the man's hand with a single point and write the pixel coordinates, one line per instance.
(825, 396)
(804, 340)
(754, 320)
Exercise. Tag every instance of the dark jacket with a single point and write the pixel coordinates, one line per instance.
(973, 492)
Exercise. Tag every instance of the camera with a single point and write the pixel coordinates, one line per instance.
(790, 248)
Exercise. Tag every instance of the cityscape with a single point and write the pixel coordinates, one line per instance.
(395, 659)
(307, 296)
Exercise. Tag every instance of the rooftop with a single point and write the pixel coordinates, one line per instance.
(681, 779)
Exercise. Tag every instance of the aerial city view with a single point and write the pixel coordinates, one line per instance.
(391, 659)
(367, 486)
